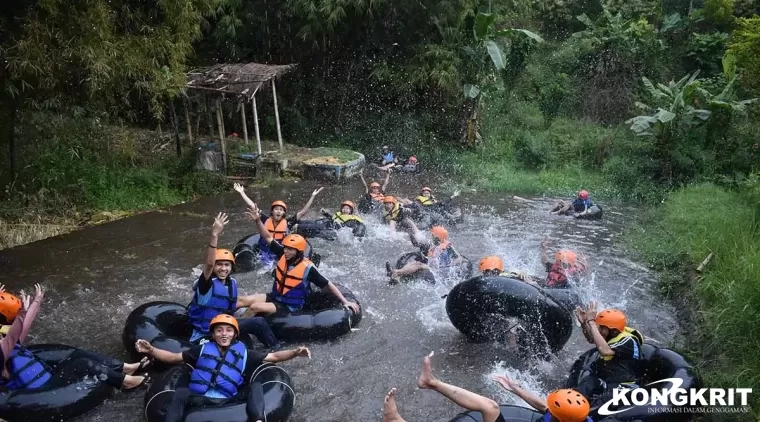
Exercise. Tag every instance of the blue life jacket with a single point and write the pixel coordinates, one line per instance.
(266, 256)
(223, 301)
(388, 158)
(580, 205)
(548, 417)
(221, 373)
(291, 285)
(26, 370)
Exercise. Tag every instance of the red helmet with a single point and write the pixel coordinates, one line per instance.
(583, 195)
(412, 159)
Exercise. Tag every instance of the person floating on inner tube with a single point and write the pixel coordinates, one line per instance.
(493, 266)
(388, 159)
(566, 267)
(565, 405)
(220, 368)
(375, 192)
(439, 254)
(23, 370)
(560, 406)
(293, 275)
(395, 214)
(619, 348)
(216, 292)
(276, 223)
(346, 214)
(581, 207)
(410, 166)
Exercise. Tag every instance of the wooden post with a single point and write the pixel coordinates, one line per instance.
(210, 118)
(220, 125)
(175, 123)
(245, 124)
(277, 117)
(188, 122)
(256, 123)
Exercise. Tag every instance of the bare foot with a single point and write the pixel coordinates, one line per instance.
(426, 379)
(130, 368)
(133, 381)
(390, 411)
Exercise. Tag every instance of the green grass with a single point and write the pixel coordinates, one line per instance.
(72, 167)
(725, 298)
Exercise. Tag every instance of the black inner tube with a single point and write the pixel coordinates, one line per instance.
(482, 306)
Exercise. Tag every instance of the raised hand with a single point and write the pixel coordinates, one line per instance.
(253, 213)
(26, 301)
(238, 187)
(505, 382)
(220, 221)
(303, 351)
(316, 191)
(39, 293)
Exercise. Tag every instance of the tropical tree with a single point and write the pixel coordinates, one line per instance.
(680, 108)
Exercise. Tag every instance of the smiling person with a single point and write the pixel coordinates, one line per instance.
(220, 367)
(23, 370)
(216, 292)
(276, 222)
(293, 275)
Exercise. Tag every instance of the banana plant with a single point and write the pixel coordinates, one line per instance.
(500, 72)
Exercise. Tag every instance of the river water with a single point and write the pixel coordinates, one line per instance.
(95, 277)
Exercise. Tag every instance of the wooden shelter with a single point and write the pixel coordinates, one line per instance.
(244, 81)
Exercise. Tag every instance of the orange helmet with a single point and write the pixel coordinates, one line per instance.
(295, 241)
(224, 319)
(611, 318)
(374, 185)
(566, 256)
(349, 203)
(225, 255)
(425, 188)
(389, 200)
(441, 233)
(491, 263)
(279, 204)
(9, 307)
(583, 195)
(568, 405)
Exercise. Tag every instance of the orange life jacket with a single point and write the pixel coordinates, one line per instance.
(290, 287)
(278, 233)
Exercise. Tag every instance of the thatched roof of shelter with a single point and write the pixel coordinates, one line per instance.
(237, 78)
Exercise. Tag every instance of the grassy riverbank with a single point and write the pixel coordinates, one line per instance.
(718, 305)
(77, 172)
